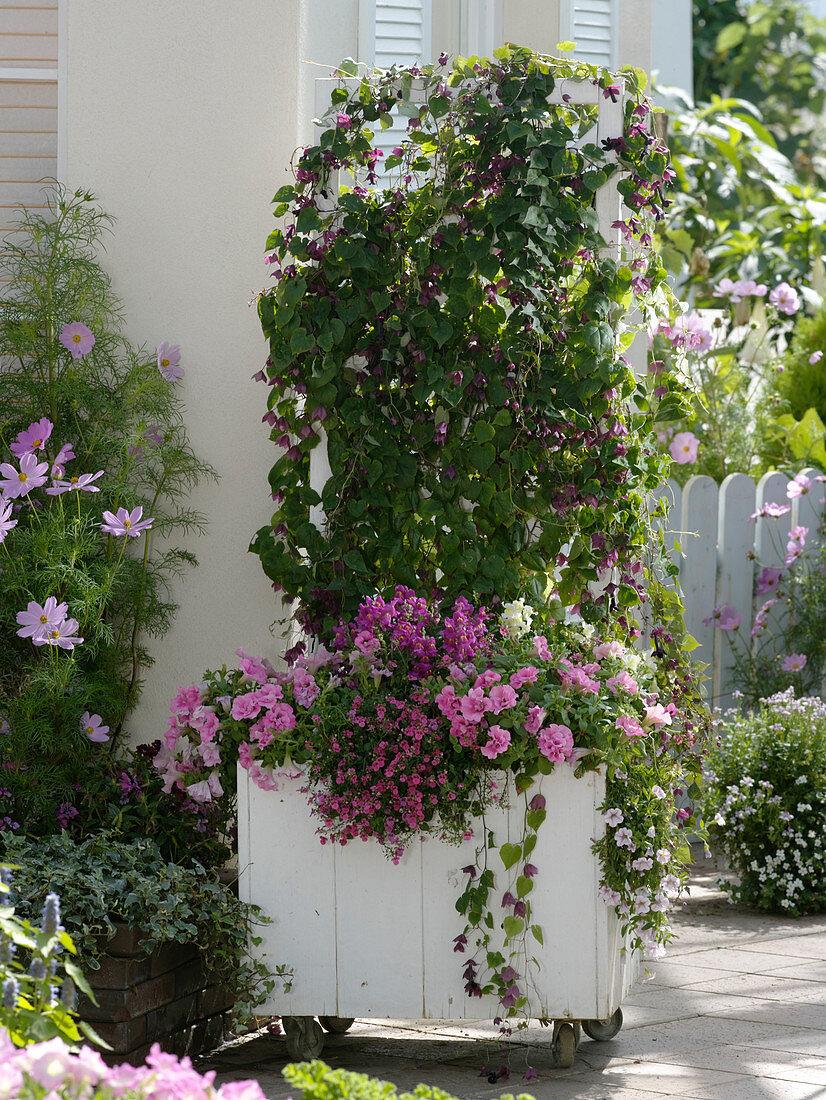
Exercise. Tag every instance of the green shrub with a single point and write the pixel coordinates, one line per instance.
(765, 804)
(103, 879)
(318, 1082)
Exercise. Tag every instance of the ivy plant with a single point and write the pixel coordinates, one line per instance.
(456, 335)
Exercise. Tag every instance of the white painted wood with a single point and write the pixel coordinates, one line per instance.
(735, 584)
(770, 538)
(367, 938)
(807, 511)
(698, 569)
(608, 200)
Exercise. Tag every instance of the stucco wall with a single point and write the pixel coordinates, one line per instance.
(182, 118)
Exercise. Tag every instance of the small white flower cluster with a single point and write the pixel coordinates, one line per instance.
(516, 618)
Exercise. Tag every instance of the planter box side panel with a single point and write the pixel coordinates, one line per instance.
(370, 939)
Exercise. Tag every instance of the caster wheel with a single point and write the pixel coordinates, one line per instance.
(564, 1043)
(336, 1025)
(305, 1037)
(603, 1030)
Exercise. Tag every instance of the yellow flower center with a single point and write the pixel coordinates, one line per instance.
(44, 618)
(54, 633)
(74, 480)
(76, 337)
(90, 729)
(127, 523)
(22, 477)
(164, 362)
(37, 443)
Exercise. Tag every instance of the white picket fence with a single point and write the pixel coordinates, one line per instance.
(720, 553)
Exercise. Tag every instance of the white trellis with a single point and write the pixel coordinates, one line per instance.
(368, 939)
(720, 552)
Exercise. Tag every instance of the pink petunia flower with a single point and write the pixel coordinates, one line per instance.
(656, 716)
(499, 740)
(629, 726)
(533, 722)
(683, 448)
(169, 356)
(785, 299)
(84, 482)
(6, 523)
(795, 662)
(36, 619)
(502, 697)
(19, 483)
(33, 438)
(77, 338)
(91, 726)
(125, 523)
(556, 742)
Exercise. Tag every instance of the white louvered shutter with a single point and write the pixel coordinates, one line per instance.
(400, 36)
(592, 24)
(28, 104)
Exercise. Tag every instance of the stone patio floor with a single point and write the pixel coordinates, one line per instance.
(736, 1011)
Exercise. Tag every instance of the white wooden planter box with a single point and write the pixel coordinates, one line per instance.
(367, 938)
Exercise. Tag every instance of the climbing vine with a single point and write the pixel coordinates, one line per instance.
(453, 326)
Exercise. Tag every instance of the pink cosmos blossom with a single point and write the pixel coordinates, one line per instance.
(629, 726)
(499, 740)
(815, 357)
(61, 635)
(690, 330)
(798, 486)
(6, 523)
(77, 338)
(169, 356)
(125, 523)
(773, 511)
(533, 722)
(724, 618)
(724, 289)
(33, 438)
(18, 483)
(91, 726)
(768, 580)
(656, 716)
(83, 482)
(556, 742)
(683, 448)
(748, 288)
(36, 619)
(64, 455)
(502, 697)
(795, 662)
(785, 299)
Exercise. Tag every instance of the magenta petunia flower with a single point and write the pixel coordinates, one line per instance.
(125, 523)
(77, 338)
(61, 635)
(33, 438)
(91, 726)
(169, 356)
(18, 483)
(83, 482)
(6, 523)
(36, 619)
(683, 448)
